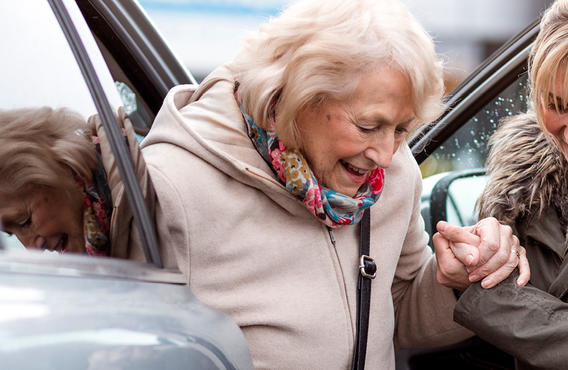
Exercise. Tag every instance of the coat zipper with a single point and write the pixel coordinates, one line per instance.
(331, 236)
(334, 243)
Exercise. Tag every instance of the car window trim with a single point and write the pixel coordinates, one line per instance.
(116, 141)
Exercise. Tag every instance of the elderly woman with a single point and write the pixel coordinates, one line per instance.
(59, 187)
(264, 171)
(528, 189)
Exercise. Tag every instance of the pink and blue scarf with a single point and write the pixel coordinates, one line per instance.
(290, 166)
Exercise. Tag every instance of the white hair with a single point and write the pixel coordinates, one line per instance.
(317, 50)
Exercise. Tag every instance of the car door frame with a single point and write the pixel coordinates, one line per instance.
(501, 69)
(108, 118)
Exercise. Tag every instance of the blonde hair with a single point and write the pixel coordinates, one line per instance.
(43, 147)
(548, 54)
(317, 50)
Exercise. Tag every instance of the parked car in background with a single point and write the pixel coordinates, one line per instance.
(79, 312)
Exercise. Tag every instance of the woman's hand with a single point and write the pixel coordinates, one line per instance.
(487, 251)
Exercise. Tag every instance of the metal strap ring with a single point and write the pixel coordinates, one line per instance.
(363, 261)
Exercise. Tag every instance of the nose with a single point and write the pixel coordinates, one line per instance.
(381, 149)
(31, 240)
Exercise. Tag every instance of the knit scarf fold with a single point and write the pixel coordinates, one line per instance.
(290, 166)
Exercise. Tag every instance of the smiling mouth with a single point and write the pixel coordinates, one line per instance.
(60, 246)
(355, 171)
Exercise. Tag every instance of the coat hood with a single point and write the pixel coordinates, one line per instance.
(527, 174)
(208, 123)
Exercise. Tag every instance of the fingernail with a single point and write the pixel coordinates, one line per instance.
(441, 226)
(473, 277)
(486, 283)
(521, 282)
(469, 259)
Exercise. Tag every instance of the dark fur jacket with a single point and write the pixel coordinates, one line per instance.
(528, 190)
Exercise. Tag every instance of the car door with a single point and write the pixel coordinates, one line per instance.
(451, 153)
(75, 311)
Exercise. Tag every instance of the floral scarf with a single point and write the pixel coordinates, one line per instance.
(328, 206)
(98, 208)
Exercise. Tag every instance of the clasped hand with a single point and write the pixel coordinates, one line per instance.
(487, 251)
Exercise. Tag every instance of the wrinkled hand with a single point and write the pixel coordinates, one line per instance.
(487, 251)
(452, 272)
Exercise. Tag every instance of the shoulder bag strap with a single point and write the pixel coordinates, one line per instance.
(367, 272)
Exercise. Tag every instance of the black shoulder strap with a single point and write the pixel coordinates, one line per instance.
(367, 272)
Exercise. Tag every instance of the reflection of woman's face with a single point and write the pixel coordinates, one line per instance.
(47, 218)
(344, 141)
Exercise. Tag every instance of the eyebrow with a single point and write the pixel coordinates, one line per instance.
(559, 101)
(380, 119)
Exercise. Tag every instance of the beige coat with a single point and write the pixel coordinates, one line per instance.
(250, 249)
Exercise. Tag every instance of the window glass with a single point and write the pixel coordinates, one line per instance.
(59, 184)
(467, 147)
(462, 153)
(39, 69)
(120, 66)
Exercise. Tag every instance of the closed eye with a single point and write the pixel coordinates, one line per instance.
(366, 130)
(25, 223)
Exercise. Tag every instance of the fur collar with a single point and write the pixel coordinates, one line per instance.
(527, 174)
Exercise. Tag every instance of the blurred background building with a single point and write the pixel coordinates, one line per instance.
(207, 33)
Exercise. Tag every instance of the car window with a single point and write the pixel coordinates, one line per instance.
(142, 65)
(40, 70)
(467, 147)
(41, 78)
(132, 101)
(454, 172)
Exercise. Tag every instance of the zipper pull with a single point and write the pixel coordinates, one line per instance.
(331, 236)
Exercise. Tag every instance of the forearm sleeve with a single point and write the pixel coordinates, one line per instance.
(526, 322)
